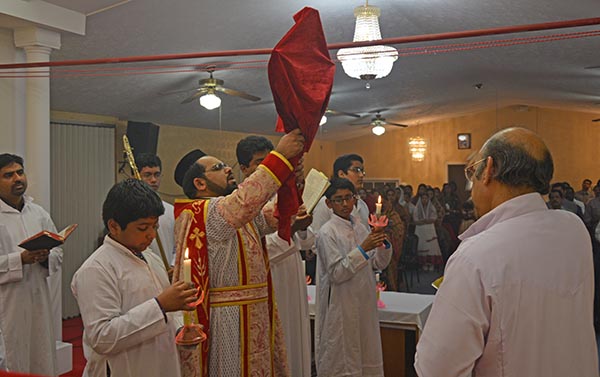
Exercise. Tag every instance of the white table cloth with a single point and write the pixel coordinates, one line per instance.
(401, 309)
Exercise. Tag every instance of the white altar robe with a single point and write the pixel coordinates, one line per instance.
(26, 318)
(123, 323)
(322, 213)
(347, 339)
(2, 353)
(289, 282)
(166, 232)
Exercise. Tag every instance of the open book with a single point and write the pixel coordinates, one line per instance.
(315, 185)
(437, 282)
(47, 239)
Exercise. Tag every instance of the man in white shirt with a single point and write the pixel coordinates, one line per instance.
(26, 322)
(150, 168)
(517, 297)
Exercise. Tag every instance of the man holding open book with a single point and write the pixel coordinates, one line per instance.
(25, 312)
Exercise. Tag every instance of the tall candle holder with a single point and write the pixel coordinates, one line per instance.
(377, 221)
(192, 333)
(380, 287)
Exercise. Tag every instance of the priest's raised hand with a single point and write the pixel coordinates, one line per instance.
(291, 144)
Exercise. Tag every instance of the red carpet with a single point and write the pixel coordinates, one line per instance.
(72, 332)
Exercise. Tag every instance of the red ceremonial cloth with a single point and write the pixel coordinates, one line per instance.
(301, 77)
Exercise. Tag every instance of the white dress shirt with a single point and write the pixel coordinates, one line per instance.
(517, 298)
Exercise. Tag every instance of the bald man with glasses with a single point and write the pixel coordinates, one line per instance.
(517, 297)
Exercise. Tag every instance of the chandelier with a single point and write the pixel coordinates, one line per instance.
(417, 147)
(371, 62)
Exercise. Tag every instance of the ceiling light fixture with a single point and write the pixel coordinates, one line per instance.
(417, 147)
(371, 62)
(378, 130)
(210, 101)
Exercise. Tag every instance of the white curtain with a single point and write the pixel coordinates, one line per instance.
(82, 167)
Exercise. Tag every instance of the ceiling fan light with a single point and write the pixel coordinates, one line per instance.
(371, 62)
(210, 101)
(378, 130)
(323, 120)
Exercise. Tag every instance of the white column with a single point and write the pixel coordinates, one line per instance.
(38, 44)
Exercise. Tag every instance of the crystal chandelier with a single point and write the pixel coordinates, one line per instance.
(417, 147)
(371, 62)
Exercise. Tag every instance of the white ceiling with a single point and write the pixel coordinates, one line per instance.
(420, 88)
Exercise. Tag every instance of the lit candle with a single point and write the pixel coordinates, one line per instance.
(378, 207)
(377, 277)
(187, 268)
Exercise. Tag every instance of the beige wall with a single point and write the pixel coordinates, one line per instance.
(571, 137)
(174, 142)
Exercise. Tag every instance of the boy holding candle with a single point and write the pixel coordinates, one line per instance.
(123, 291)
(347, 340)
(351, 167)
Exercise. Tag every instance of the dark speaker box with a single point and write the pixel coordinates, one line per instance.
(143, 137)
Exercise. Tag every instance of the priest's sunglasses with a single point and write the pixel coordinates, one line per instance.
(347, 198)
(470, 170)
(218, 166)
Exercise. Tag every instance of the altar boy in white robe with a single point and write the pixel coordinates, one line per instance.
(347, 341)
(124, 295)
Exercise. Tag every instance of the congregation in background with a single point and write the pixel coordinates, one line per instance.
(244, 279)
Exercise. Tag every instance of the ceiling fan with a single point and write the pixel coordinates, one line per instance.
(378, 122)
(331, 112)
(207, 92)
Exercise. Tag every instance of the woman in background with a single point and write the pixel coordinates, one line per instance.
(425, 216)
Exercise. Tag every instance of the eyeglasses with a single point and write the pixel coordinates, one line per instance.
(150, 175)
(218, 166)
(470, 170)
(347, 198)
(358, 169)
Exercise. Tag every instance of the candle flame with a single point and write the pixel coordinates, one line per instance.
(379, 200)
(186, 253)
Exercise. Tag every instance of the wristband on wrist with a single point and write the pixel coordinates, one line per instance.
(363, 252)
(161, 309)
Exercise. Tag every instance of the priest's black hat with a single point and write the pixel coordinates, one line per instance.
(185, 163)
